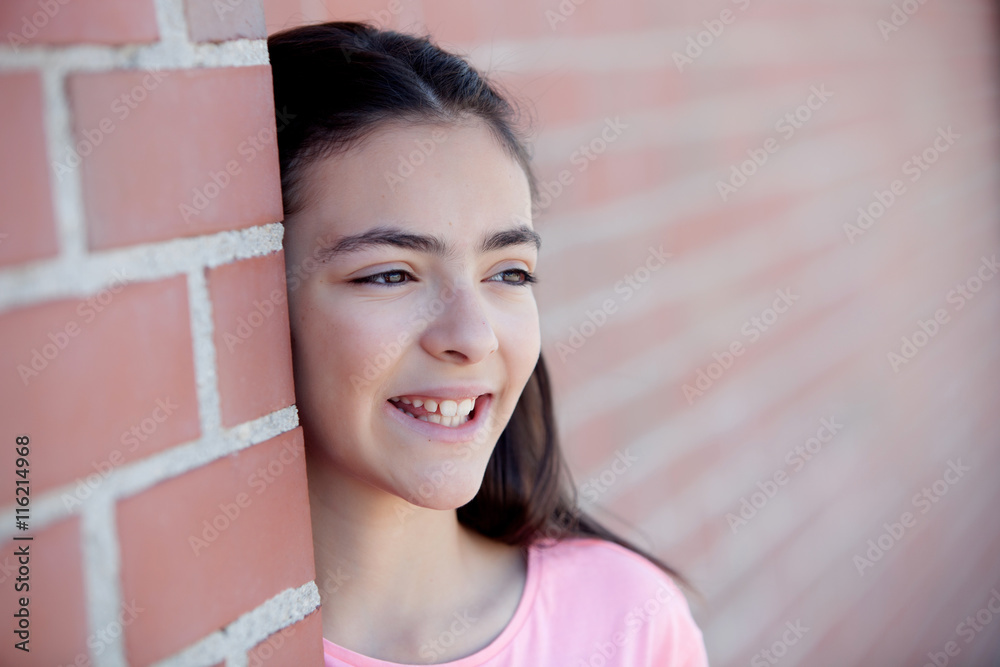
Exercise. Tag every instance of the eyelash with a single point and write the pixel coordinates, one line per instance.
(526, 278)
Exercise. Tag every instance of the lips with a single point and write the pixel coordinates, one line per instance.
(447, 412)
(436, 426)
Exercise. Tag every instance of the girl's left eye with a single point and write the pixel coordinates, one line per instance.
(514, 277)
(398, 277)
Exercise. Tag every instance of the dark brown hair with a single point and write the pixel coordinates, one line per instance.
(335, 84)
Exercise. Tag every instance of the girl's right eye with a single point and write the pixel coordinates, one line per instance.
(397, 277)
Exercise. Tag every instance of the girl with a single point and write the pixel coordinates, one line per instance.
(444, 524)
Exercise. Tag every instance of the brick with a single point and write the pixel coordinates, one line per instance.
(28, 228)
(95, 402)
(298, 644)
(250, 307)
(56, 607)
(27, 23)
(598, 179)
(222, 20)
(390, 14)
(565, 98)
(175, 153)
(597, 18)
(281, 14)
(239, 564)
(466, 23)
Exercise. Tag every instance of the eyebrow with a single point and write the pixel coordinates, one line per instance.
(434, 245)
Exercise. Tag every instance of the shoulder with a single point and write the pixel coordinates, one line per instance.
(618, 602)
(604, 566)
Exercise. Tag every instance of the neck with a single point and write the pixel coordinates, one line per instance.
(381, 561)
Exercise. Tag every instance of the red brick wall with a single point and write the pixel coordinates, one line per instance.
(144, 355)
(133, 269)
(663, 134)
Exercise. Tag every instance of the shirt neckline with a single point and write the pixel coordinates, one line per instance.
(491, 650)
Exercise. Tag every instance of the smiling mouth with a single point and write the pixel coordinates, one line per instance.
(447, 412)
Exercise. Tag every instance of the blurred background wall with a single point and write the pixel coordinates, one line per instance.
(741, 137)
(769, 301)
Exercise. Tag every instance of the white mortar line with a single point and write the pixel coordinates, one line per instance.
(101, 571)
(205, 371)
(96, 58)
(284, 609)
(204, 653)
(172, 50)
(178, 460)
(132, 478)
(81, 276)
(65, 190)
(172, 25)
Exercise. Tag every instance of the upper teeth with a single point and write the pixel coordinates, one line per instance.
(447, 408)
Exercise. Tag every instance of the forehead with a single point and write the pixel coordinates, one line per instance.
(452, 180)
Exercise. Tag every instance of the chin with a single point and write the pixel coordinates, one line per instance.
(447, 487)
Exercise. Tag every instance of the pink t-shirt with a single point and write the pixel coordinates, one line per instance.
(586, 603)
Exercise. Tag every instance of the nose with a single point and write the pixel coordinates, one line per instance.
(461, 331)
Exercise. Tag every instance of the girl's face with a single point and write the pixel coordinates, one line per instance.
(408, 294)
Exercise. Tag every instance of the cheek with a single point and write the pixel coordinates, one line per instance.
(521, 340)
(346, 350)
